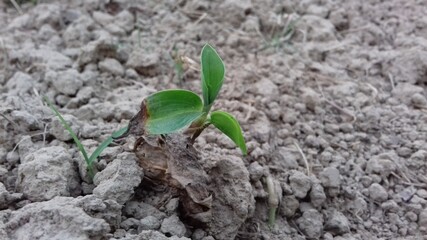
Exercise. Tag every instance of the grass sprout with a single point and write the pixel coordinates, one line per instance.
(92, 158)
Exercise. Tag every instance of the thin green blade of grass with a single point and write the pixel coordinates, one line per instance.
(105, 144)
(70, 131)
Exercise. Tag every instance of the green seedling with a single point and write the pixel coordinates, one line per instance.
(282, 38)
(273, 201)
(173, 110)
(89, 159)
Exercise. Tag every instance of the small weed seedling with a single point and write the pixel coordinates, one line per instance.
(172, 110)
(89, 159)
(280, 39)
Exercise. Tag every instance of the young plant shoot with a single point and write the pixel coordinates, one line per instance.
(90, 160)
(173, 110)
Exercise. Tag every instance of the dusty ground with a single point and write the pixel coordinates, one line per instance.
(330, 94)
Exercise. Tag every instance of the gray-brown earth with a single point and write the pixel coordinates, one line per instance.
(331, 96)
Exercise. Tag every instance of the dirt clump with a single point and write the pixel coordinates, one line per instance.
(331, 96)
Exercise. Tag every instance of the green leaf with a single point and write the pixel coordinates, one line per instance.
(105, 144)
(119, 132)
(70, 131)
(171, 110)
(73, 135)
(230, 127)
(213, 72)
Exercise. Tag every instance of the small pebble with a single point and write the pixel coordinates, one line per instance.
(311, 223)
(120, 233)
(366, 181)
(173, 226)
(198, 234)
(422, 193)
(130, 223)
(411, 216)
(172, 205)
(289, 206)
(378, 192)
(256, 171)
(418, 100)
(131, 73)
(12, 158)
(112, 66)
(417, 200)
(330, 177)
(390, 206)
(300, 184)
(407, 194)
(346, 127)
(312, 141)
(422, 219)
(317, 195)
(367, 224)
(403, 231)
(337, 223)
(149, 223)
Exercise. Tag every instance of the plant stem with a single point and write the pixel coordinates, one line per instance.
(198, 132)
(90, 172)
(207, 108)
(272, 217)
(273, 201)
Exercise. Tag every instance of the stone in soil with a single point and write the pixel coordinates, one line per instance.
(337, 223)
(46, 173)
(266, 87)
(377, 73)
(256, 171)
(130, 223)
(26, 120)
(149, 223)
(98, 49)
(262, 130)
(382, 164)
(330, 177)
(198, 234)
(300, 184)
(67, 82)
(58, 130)
(6, 198)
(59, 218)
(118, 179)
(172, 205)
(20, 83)
(289, 206)
(233, 202)
(286, 159)
(145, 63)
(378, 193)
(140, 210)
(317, 194)
(173, 226)
(311, 223)
(112, 66)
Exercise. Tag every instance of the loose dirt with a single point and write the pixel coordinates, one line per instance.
(331, 96)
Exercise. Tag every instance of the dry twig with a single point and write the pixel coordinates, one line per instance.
(16, 5)
(303, 157)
